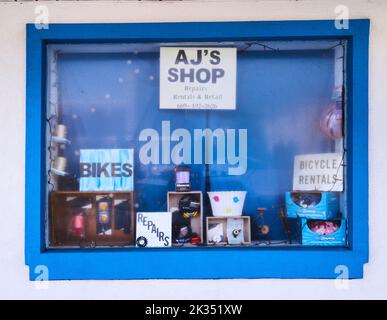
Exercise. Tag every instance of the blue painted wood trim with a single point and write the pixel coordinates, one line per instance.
(198, 262)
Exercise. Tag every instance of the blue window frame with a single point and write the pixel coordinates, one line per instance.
(128, 263)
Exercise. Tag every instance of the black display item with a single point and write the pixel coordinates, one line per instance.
(236, 232)
(142, 242)
(122, 216)
(285, 224)
(306, 199)
(187, 216)
(189, 206)
(181, 228)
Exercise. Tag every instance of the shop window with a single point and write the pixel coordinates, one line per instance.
(197, 146)
(110, 136)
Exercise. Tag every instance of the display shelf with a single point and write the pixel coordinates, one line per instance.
(223, 221)
(63, 206)
(173, 198)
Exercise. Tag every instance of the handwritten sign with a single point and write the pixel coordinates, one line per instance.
(154, 229)
(197, 78)
(106, 170)
(320, 172)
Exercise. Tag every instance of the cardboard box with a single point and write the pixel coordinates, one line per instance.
(313, 205)
(311, 238)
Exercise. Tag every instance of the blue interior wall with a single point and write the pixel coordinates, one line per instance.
(107, 99)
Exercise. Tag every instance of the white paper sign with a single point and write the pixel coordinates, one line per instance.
(318, 172)
(197, 78)
(215, 233)
(235, 231)
(106, 170)
(154, 229)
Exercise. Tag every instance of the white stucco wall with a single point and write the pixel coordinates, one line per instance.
(13, 273)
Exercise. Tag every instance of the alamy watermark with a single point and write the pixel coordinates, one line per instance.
(178, 145)
(41, 17)
(342, 280)
(42, 277)
(342, 17)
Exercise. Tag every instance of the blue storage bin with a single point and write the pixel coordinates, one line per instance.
(313, 205)
(314, 238)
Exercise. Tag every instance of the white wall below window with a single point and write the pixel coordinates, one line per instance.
(14, 274)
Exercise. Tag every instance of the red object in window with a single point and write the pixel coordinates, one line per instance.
(78, 225)
(195, 240)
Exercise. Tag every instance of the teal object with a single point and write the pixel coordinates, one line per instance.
(310, 238)
(106, 170)
(326, 205)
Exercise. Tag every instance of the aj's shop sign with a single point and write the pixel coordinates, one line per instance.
(318, 172)
(197, 78)
(106, 170)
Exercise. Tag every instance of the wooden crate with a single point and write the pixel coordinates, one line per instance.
(223, 221)
(173, 199)
(61, 211)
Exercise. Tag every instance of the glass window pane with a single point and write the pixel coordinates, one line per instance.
(224, 176)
